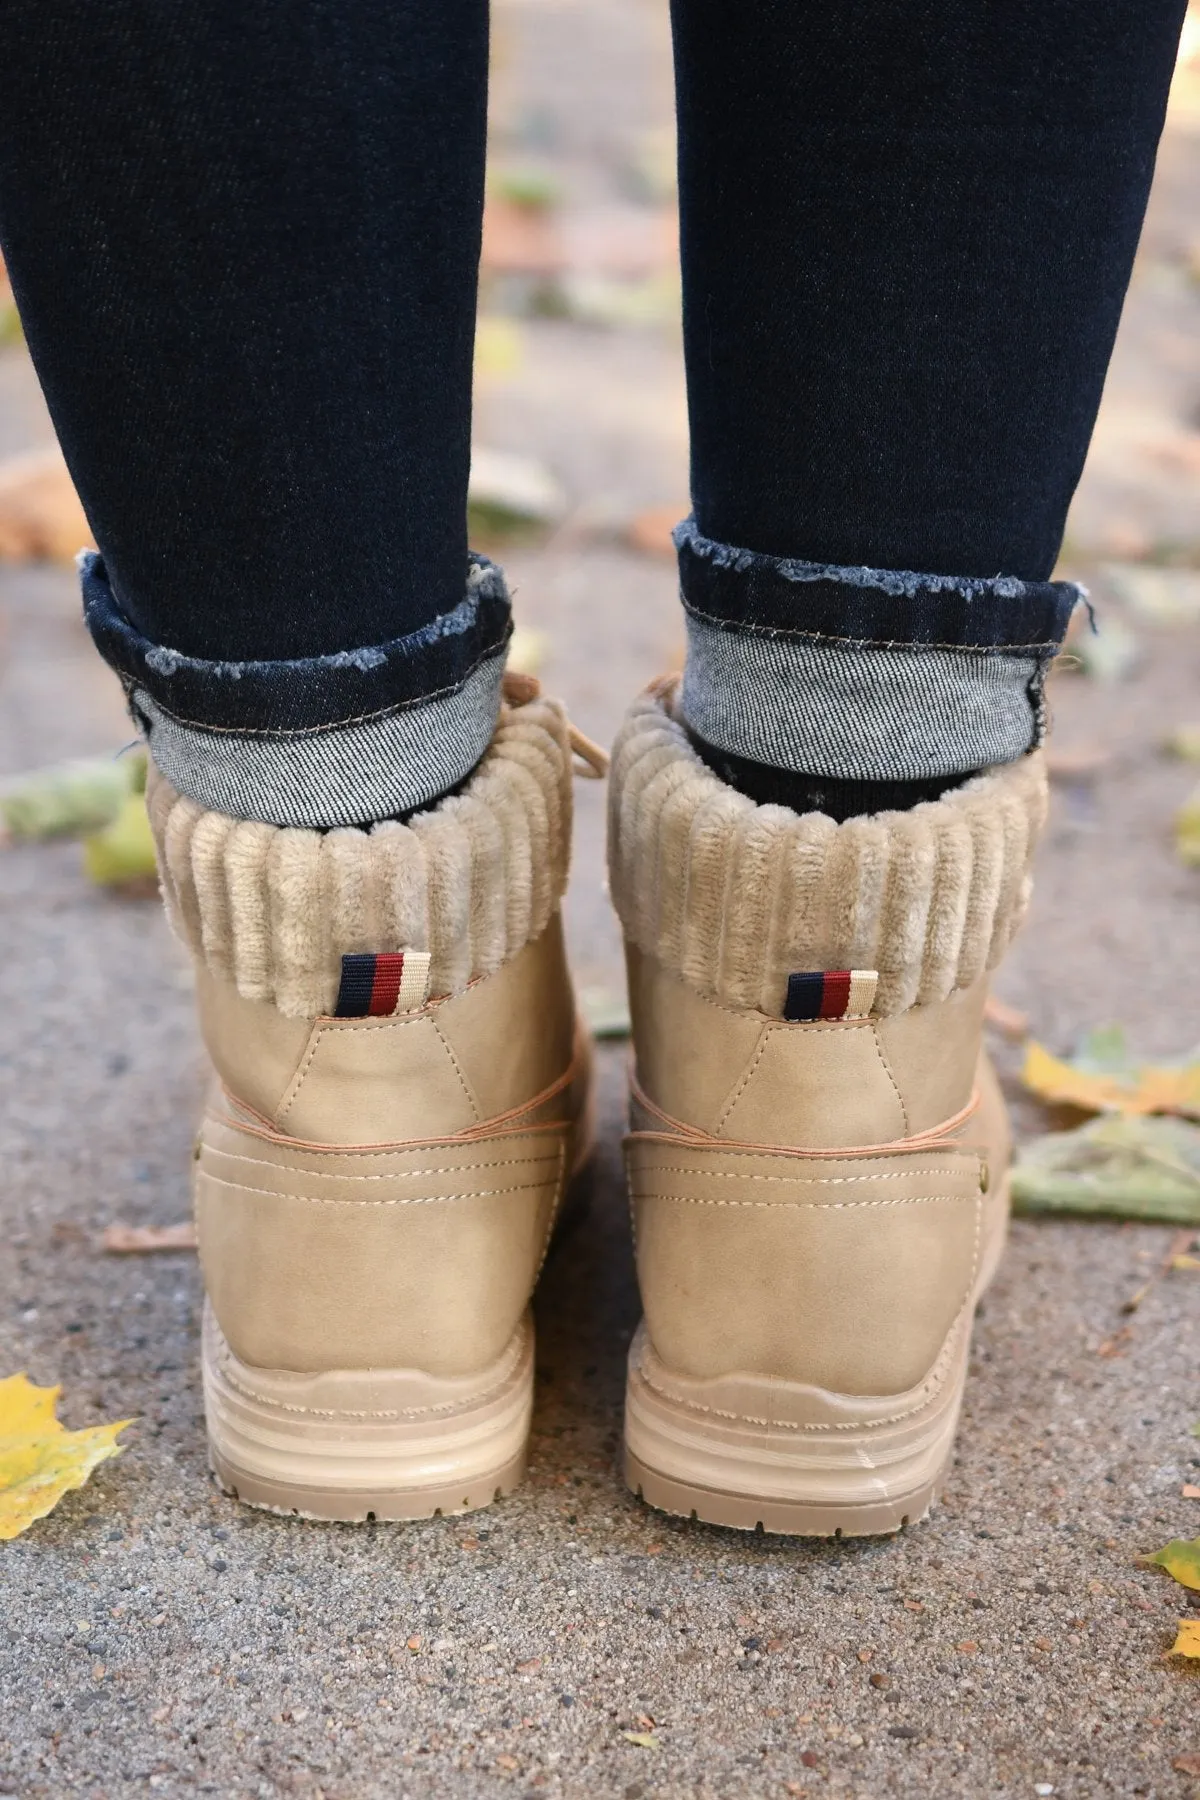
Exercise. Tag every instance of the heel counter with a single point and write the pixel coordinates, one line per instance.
(421, 1256)
(842, 1273)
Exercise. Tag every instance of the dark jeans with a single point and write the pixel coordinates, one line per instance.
(244, 244)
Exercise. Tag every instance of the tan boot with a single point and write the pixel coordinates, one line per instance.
(818, 1151)
(401, 1101)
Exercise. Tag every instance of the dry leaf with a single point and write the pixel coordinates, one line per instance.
(1004, 1018)
(650, 531)
(40, 1460)
(1189, 1491)
(520, 240)
(1079, 762)
(643, 1739)
(1181, 1559)
(1103, 1077)
(1175, 1258)
(506, 1762)
(40, 515)
(138, 1240)
(1187, 1644)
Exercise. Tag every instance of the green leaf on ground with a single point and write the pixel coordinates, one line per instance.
(1181, 1559)
(1117, 1166)
(71, 798)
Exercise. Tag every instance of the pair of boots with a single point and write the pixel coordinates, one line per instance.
(816, 1159)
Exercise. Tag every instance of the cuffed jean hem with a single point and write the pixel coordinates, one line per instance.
(864, 674)
(321, 741)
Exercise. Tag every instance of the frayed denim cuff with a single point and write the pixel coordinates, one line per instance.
(864, 674)
(324, 740)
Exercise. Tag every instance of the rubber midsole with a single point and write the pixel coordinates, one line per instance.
(847, 1461)
(378, 1431)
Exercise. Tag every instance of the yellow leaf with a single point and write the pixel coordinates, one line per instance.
(123, 851)
(642, 1739)
(1188, 1641)
(39, 1459)
(1181, 1559)
(1143, 1088)
(499, 347)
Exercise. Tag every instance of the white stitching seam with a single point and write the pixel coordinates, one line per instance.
(510, 1162)
(807, 1180)
(824, 1205)
(239, 1187)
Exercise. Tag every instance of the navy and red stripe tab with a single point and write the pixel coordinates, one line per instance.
(370, 984)
(830, 994)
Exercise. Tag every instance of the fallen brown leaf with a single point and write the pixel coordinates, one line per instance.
(521, 240)
(650, 531)
(1004, 1018)
(1189, 1491)
(1078, 762)
(140, 1240)
(40, 515)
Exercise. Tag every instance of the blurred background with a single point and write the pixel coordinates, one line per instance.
(580, 470)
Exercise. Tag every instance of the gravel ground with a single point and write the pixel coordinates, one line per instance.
(159, 1637)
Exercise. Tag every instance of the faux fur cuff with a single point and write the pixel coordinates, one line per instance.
(273, 909)
(736, 897)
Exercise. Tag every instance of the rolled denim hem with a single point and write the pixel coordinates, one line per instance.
(864, 674)
(330, 740)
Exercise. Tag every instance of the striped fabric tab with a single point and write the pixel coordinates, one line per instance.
(377, 983)
(831, 994)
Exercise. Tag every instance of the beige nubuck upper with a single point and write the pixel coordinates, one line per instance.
(375, 1193)
(818, 1202)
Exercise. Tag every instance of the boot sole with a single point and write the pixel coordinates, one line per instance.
(808, 1463)
(353, 1446)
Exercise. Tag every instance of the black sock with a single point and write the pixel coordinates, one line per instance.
(830, 794)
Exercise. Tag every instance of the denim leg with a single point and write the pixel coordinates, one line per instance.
(907, 230)
(863, 675)
(244, 242)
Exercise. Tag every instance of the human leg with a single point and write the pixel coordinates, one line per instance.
(906, 236)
